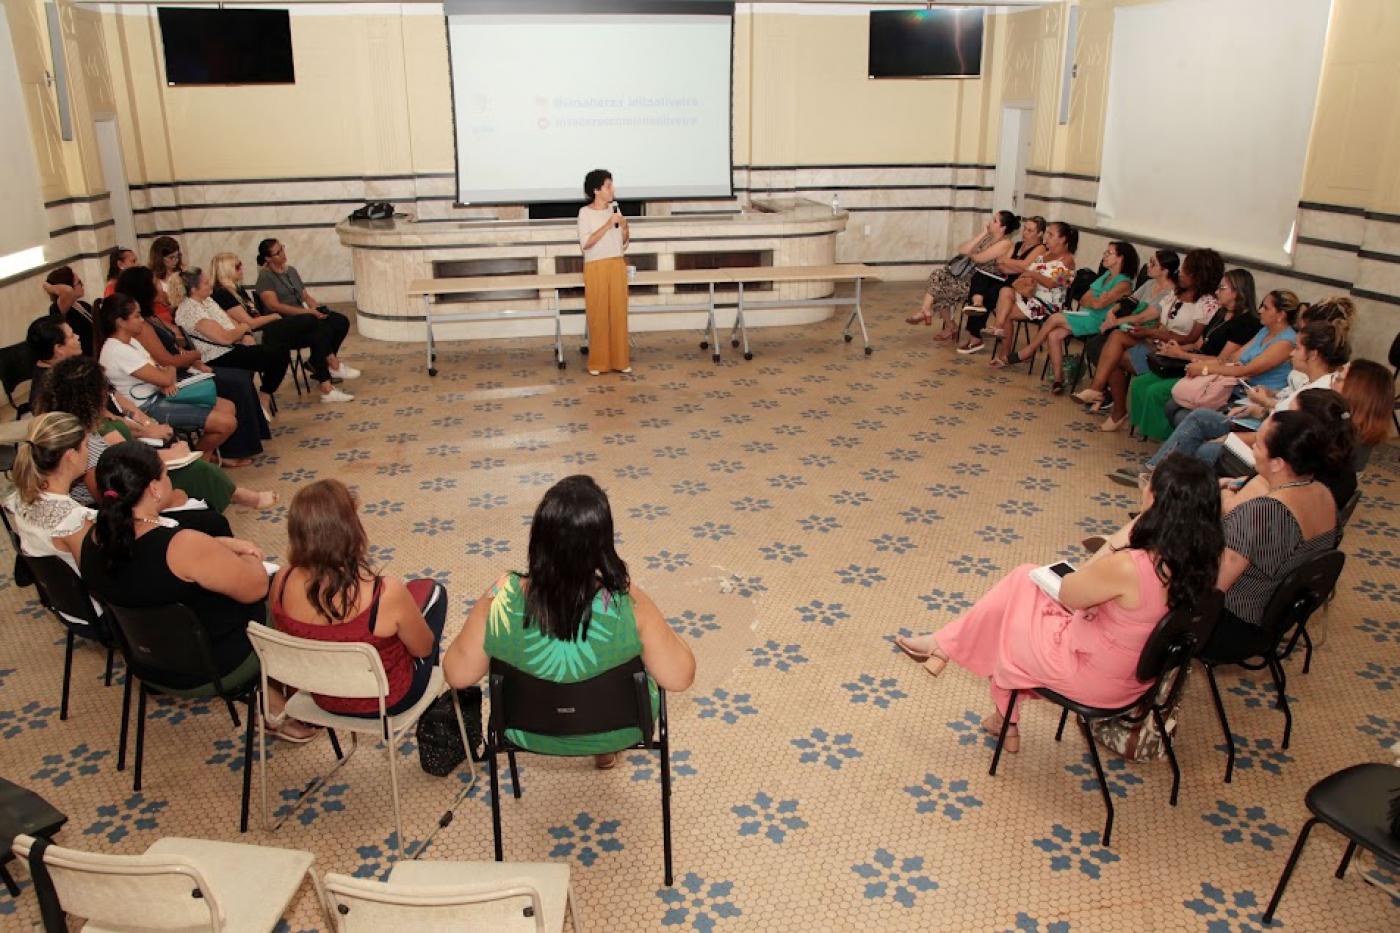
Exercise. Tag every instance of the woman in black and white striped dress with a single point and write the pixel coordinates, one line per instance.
(1274, 527)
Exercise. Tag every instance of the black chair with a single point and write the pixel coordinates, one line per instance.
(63, 594)
(159, 642)
(1297, 597)
(1019, 326)
(1395, 365)
(615, 699)
(1168, 651)
(1356, 802)
(23, 813)
(16, 366)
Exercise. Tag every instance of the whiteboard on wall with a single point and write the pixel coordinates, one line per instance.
(1210, 108)
(24, 232)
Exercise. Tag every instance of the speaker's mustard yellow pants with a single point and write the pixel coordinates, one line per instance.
(605, 303)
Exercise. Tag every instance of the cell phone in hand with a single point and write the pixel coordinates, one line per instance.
(1062, 569)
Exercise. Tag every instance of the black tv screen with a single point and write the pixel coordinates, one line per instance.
(926, 43)
(230, 46)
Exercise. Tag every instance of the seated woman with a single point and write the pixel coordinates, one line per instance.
(1285, 518)
(1086, 645)
(80, 389)
(137, 558)
(1177, 312)
(329, 592)
(280, 289)
(51, 341)
(49, 521)
(277, 333)
(222, 342)
(575, 615)
(66, 289)
(1264, 362)
(986, 286)
(1369, 390)
(1120, 262)
(1229, 328)
(946, 291)
(166, 260)
(1039, 291)
(168, 345)
(150, 386)
(118, 261)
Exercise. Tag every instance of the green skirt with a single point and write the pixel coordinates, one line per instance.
(1085, 323)
(1148, 395)
(200, 480)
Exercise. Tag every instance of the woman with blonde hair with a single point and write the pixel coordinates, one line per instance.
(51, 458)
(278, 333)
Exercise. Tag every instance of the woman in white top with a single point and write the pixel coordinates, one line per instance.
(1181, 301)
(133, 373)
(223, 342)
(50, 522)
(603, 235)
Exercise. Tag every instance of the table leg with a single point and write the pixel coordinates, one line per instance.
(741, 325)
(558, 332)
(714, 329)
(857, 317)
(428, 324)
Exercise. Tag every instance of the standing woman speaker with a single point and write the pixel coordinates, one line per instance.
(603, 234)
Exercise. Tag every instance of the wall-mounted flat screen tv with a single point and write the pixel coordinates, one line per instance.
(204, 45)
(939, 43)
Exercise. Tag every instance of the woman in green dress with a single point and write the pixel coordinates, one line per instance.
(1120, 264)
(79, 387)
(575, 615)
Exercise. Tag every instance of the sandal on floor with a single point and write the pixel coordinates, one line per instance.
(1111, 424)
(1012, 745)
(996, 362)
(280, 728)
(1057, 387)
(914, 654)
(1014, 357)
(919, 317)
(605, 762)
(1089, 396)
(943, 336)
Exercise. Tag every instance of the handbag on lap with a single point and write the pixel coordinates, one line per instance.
(1204, 391)
(1166, 367)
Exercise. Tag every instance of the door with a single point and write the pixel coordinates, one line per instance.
(109, 152)
(1013, 155)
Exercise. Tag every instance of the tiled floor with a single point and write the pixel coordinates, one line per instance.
(789, 515)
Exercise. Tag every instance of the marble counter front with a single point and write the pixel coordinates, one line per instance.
(389, 254)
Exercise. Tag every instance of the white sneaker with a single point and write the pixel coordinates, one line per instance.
(335, 395)
(345, 372)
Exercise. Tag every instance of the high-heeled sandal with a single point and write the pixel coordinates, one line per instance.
(920, 317)
(1012, 745)
(914, 654)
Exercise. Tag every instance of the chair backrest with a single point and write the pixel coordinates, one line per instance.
(615, 699)
(1303, 592)
(62, 591)
(1395, 353)
(351, 670)
(16, 366)
(360, 905)
(1177, 638)
(129, 891)
(1079, 285)
(1345, 514)
(164, 640)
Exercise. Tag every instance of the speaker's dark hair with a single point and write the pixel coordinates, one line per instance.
(595, 180)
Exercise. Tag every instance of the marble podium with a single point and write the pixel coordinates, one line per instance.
(389, 255)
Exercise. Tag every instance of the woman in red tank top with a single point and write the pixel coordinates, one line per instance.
(328, 591)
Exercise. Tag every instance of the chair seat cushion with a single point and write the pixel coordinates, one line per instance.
(253, 884)
(1081, 709)
(1355, 801)
(302, 706)
(549, 879)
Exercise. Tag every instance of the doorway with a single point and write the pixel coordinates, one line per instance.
(1013, 156)
(109, 153)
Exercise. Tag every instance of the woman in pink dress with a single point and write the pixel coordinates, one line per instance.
(1086, 645)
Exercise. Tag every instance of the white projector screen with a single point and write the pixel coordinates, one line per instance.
(539, 100)
(25, 231)
(1210, 107)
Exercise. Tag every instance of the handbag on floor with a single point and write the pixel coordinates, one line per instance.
(1140, 741)
(439, 743)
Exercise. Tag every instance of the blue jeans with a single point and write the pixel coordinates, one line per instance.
(1192, 437)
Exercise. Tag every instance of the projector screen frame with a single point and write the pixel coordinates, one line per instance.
(598, 7)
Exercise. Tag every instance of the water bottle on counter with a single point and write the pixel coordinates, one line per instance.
(835, 203)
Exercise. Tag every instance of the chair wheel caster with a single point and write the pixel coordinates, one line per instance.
(869, 350)
(715, 357)
(704, 345)
(734, 344)
(583, 350)
(562, 364)
(748, 356)
(848, 337)
(432, 370)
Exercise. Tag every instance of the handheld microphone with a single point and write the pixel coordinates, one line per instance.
(617, 212)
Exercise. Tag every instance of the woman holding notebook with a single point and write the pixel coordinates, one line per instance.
(1086, 643)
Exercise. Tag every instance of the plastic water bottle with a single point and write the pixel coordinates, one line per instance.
(835, 203)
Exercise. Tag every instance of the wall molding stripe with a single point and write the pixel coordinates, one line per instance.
(897, 208)
(83, 199)
(1048, 199)
(150, 185)
(787, 190)
(1040, 173)
(48, 267)
(63, 231)
(1375, 256)
(1383, 217)
(1329, 244)
(297, 202)
(735, 243)
(864, 165)
(1331, 208)
(1376, 296)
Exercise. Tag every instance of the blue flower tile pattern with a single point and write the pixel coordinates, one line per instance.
(950, 799)
(1230, 912)
(834, 750)
(79, 761)
(1070, 850)
(1238, 824)
(1119, 773)
(878, 692)
(696, 904)
(769, 818)
(727, 707)
(116, 821)
(777, 656)
(1025, 923)
(901, 880)
(585, 838)
(1264, 754)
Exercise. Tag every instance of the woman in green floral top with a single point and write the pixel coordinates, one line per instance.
(575, 615)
